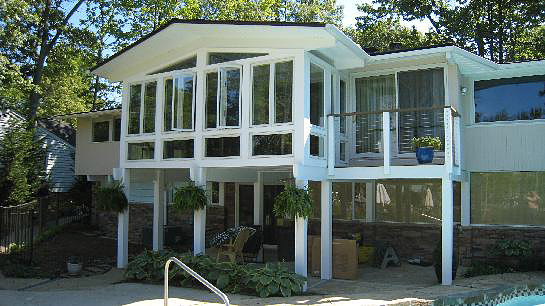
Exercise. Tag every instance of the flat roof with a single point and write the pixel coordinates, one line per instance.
(106, 111)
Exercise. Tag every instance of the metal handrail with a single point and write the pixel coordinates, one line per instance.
(201, 279)
(455, 113)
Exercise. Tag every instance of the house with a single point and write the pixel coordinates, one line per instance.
(59, 143)
(244, 107)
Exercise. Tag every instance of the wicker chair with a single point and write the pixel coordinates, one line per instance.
(234, 250)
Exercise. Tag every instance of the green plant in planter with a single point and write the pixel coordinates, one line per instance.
(111, 197)
(190, 197)
(294, 202)
(427, 142)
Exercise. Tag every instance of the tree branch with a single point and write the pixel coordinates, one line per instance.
(63, 24)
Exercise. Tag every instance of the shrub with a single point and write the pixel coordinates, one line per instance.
(111, 197)
(190, 197)
(274, 280)
(481, 268)
(293, 202)
(427, 142)
(511, 248)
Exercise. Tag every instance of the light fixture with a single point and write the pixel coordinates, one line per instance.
(463, 90)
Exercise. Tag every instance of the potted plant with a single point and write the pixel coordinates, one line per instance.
(438, 262)
(73, 266)
(111, 197)
(293, 202)
(424, 148)
(190, 197)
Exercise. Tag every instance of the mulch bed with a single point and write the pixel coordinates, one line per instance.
(96, 253)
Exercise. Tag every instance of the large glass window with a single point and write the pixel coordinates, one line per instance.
(342, 200)
(223, 105)
(521, 98)
(223, 147)
(409, 201)
(260, 94)
(316, 95)
(274, 144)
(178, 149)
(515, 198)
(211, 99)
(134, 109)
(150, 94)
(315, 188)
(183, 64)
(167, 107)
(283, 91)
(101, 131)
(179, 101)
(117, 129)
(222, 57)
(316, 146)
(140, 150)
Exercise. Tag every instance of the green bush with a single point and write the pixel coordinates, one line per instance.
(511, 248)
(481, 268)
(271, 280)
(111, 197)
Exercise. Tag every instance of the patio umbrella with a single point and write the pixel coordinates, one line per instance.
(382, 195)
(429, 199)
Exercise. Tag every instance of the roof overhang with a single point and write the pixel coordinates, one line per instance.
(179, 37)
(112, 112)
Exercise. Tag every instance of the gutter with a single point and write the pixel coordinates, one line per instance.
(347, 42)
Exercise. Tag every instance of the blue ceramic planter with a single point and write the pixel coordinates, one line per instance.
(424, 155)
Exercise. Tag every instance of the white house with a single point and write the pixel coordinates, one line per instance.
(259, 103)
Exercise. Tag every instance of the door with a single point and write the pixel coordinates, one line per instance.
(246, 205)
(270, 221)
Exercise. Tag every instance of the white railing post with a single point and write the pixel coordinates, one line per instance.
(457, 142)
(386, 141)
(448, 140)
(331, 145)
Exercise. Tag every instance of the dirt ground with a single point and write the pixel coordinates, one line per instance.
(96, 253)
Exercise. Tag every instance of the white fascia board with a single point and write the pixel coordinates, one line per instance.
(474, 57)
(91, 114)
(347, 42)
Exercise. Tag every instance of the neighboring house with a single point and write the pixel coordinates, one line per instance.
(246, 106)
(59, 142)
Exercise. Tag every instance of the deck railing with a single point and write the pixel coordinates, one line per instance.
(361, 134)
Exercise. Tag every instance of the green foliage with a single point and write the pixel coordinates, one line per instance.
(293, 202)
(481, 268)
(427, 142)
(80, 191)
(511, 248)
(22, 157)
(271, 280)
(190, 197)
(111, 197)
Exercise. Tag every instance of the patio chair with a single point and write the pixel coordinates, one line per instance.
(234, 250)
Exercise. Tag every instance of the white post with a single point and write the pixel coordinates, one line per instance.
(457, 143)
(370, 188)
(448, 141)
(123, 227)
(466, 198)
(258, 200)
(326, 261)
(331, 145)
(386, 141)
(447, 230)
(301, 225)
(158, 210)
(199, 216)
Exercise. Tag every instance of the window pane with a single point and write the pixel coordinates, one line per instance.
(510, 99)
(117, 129)
(515, 198)
(342, 105)
(217, 57)
(408, 201)
(178, 149)
(183, 107)
(260, 94)
(230, 93)
(316, 95)
(211, 99)
(316, 146)
(134, 109)
(360, 197)
(149, 107)
(183, 64)
(316, 195)
(101, 131)
(276, 144)
(283, 83)
(142, 150)
(342, 200)
(168, 105)
(419, 89)
(215, 192)
(222, 147)
(342, 151)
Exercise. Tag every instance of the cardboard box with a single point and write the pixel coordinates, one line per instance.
(345, 258)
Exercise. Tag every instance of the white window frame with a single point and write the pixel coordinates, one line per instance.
(141, 115)
(251, 143)
(219, 70)
(143, 159)
(174, 118)
(110, 130)
(324, 72)
(163, 140)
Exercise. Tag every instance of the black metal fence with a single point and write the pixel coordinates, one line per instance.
(21, 225)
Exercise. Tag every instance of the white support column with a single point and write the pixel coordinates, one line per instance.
(326, 268)
(370, 188)
(258, 200)
(331, 145)
(447, 230)
(158, 209)
(386, 141)
(301, 226)
(466, 198)
(123, 227)
(198, 175)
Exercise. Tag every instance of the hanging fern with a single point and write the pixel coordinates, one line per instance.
(190, 197)
(293, 202)
(111, 197)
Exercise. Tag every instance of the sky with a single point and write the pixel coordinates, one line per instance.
(351, 12)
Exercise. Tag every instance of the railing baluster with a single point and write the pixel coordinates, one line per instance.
(386, 139)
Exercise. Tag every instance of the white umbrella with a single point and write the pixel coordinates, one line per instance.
(382, 195)
(429, 199)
